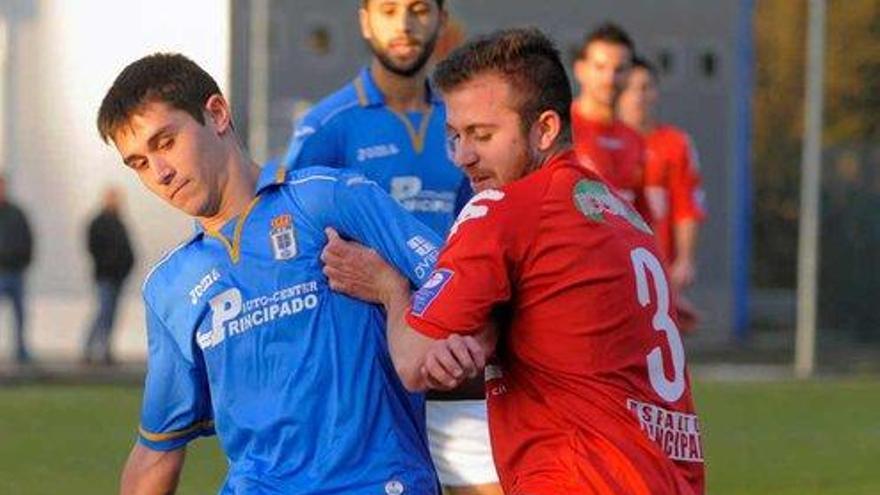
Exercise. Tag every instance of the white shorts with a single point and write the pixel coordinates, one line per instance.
(458, 434)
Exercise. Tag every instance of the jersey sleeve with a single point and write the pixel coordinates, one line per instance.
(313, 144)
(177, 405)
(473, 274)
(685, 188)
(362, 211)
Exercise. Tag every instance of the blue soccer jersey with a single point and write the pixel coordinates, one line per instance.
(247, 339)
(404, 153)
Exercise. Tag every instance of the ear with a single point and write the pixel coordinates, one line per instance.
(364, 19)
(579, 68)
(217, 110)
(444, 18)
(545, 130)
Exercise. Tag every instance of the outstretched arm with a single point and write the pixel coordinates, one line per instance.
(151, 472)
(420, 361)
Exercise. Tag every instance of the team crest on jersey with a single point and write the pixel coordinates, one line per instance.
(283, 237)
(594, 200)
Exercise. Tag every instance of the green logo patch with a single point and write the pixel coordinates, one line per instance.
(594, 200)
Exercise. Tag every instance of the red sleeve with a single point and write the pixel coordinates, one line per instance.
(472, 273)
(685, 187)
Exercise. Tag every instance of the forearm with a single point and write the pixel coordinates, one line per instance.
(407, 347)
(686, 233)
(151, 472)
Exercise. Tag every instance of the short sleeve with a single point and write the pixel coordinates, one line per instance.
(685, 186)
(313, 144)
(177, 405)
(473, 273)
(362, 211)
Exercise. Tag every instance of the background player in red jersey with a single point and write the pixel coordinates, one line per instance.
(603, 142)
(589, 393)
(672, 180)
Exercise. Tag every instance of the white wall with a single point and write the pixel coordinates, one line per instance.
(62, 56)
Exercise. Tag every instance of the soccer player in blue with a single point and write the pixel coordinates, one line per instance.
(246, 339)
(390, 125)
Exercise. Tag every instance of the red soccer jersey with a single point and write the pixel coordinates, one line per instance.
(590, 393)
(672, 184)
(615, 151)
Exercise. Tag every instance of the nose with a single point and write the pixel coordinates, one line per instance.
(162, 171)
(463, 154)
(403, 23)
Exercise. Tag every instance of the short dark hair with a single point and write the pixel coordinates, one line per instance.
(167, 77)
(608, 32)
(527, 59)
(640, 62)
(439, 3)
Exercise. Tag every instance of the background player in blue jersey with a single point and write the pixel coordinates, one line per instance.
(390, 125)
(246, 339)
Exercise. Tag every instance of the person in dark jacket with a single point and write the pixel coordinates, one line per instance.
(113, 258)
(16, 250)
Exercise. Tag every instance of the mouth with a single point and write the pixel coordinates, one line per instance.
(480, 182)
(177, 190)
(404, 47)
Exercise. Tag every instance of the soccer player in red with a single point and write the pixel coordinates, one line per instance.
(672, 184)
(672, 177)
(589, 391)
(603, 142)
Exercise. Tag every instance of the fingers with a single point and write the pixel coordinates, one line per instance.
(449, 362)
(443, 367)
(478, 354)
(467, 353)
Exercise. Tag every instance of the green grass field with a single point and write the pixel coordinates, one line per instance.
(819, 437)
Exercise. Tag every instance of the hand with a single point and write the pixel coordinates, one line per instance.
(359, 271)
(682, 273)
(449, 362)
(688, 314)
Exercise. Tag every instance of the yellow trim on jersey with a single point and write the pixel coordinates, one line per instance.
(417, 137)
(361, 92)
(280, 174)
(161, 437)
(234, 247)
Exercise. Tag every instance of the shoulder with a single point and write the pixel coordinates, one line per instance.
(175, 274)
(328, 110)
(628, 133)
(317, 190)
(673, 135)
(319, 177)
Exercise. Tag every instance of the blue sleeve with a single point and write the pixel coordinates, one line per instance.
(362, 211)
(313, 144)
(463, 195)
(177, 403)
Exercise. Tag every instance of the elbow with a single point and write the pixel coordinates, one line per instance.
(410, 374)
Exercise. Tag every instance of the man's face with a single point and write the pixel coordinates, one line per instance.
(602, 71)
(401, 33)
(485, 135)
(178, 159)
(638, 98)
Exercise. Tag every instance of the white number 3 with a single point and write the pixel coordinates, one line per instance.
(644, 262)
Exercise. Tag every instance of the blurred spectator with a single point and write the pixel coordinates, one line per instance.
(16, 249)
(112, 257)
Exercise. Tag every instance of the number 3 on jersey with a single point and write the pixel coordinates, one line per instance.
(645, 263)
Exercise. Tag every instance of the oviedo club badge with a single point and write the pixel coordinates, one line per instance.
(283, 237)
